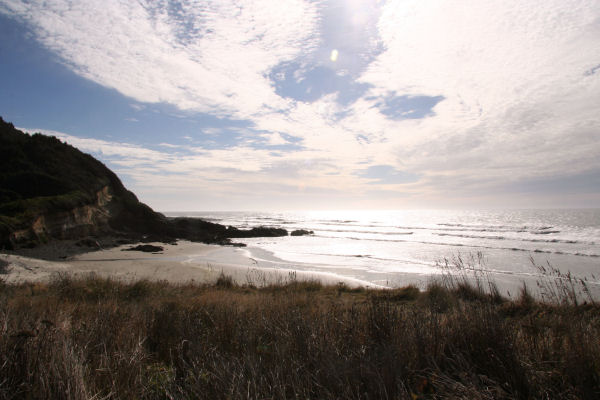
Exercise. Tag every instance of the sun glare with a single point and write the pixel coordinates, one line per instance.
(334, 55)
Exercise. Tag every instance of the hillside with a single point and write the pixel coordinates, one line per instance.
(50, 190)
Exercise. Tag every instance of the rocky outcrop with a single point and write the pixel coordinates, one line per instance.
(260, 231)
(86, 220)
(301, 232)
(50, 190)
(146, 248)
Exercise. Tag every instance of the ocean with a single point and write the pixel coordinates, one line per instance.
(394, 248)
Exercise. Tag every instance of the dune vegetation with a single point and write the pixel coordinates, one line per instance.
(92, 337)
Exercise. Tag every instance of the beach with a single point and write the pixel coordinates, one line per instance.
(377, 250)
(189, 262)
(182, 262)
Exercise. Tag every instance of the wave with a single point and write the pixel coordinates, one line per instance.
(471, 236)
(369, 232)
(459, 230)
(338, 221)
(464, 245)
(209, 219)
(430, 228)
(433, 229)
(541, 228)
(537, 230)
(370, 257)
(271, 221)
(350, 224)
(345, 224)
(516, 239)
(512, 230)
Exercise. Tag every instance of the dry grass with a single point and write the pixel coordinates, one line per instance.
(96, 338)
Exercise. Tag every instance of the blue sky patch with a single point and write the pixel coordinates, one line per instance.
(309, 84)
(185, 78)
(316, 75)
(407, 107)
(592, 70)
(39, 91)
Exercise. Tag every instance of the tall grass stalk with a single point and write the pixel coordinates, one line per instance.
(98, 338)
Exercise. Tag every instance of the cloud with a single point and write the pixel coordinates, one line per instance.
(516, 97)
(465, 96)
(137, 107)
(203, 56)
(212, 171)
(387, 175)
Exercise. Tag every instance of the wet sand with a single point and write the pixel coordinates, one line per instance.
(186, 262)
(183, 262)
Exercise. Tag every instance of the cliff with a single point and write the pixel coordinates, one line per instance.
(50, 190)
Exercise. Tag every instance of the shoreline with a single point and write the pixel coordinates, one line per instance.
(192, 262)
(182, 262)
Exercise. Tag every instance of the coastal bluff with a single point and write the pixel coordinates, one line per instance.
(49, 190)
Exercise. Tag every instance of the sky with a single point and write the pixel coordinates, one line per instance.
(296, 104)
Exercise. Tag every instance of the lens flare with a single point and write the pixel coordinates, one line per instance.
(334, 55)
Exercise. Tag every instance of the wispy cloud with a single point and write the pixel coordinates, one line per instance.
(467, 96)
(209, 56)
(510, 73)
(204, 172)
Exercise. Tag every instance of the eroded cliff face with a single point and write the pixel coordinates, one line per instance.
(90, 219)
(50, 190)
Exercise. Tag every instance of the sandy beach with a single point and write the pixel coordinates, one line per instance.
(187, 261)
(178, 263)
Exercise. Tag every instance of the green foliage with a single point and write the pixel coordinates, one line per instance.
(41, 166)
(40, 174)
(32, 207)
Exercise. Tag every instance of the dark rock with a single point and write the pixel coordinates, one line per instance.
(88, 242)
(147, 248)
(260, 231)
(50, 190)
(3, 267)
(301, 232)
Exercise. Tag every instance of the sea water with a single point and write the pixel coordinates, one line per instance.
(392, 248)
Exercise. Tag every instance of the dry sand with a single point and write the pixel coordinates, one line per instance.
(196, 262)
(183, 262)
